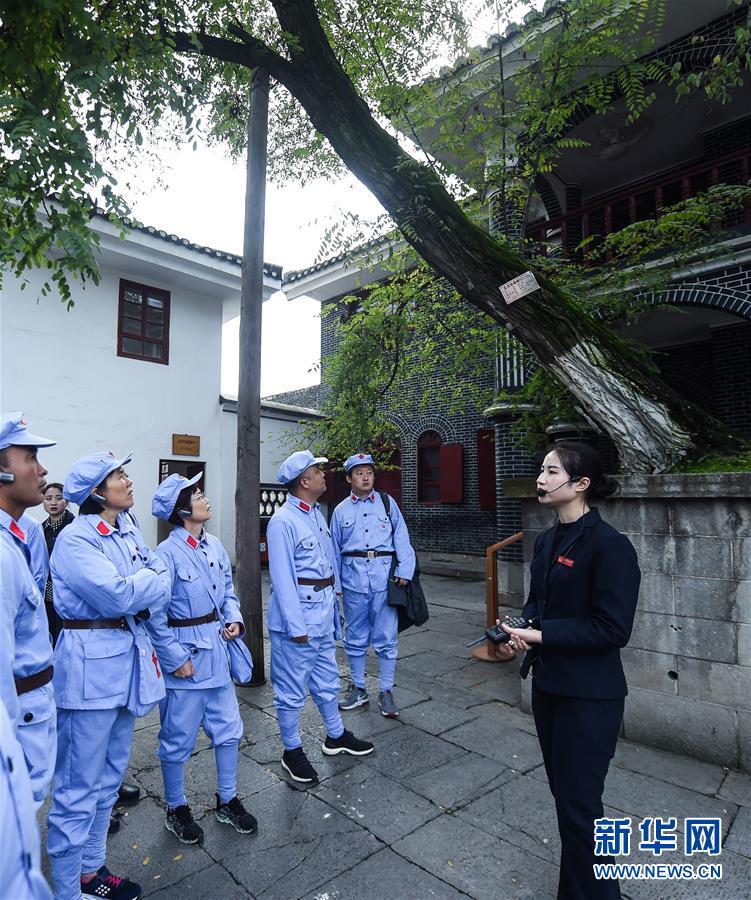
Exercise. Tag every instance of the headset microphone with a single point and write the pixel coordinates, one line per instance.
(541, 492)
(185, 513)
(7, 477)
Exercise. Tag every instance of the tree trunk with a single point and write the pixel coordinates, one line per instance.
(248, 489)
(651, 425)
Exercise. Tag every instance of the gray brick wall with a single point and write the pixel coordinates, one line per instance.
(450, 528)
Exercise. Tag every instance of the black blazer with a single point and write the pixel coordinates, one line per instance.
(585, 599)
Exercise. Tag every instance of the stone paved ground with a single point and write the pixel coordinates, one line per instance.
(453, 803)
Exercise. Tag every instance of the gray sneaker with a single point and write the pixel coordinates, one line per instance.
(388, 705)
(354, 697)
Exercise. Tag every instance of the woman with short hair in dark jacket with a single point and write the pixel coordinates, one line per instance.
(583, 594)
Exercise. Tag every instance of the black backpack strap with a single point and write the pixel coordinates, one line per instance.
(386, 503)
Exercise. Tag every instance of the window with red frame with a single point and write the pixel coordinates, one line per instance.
(429, 467)
(143, 323)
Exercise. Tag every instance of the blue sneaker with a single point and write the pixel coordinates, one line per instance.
(354, 697)
(387, 705)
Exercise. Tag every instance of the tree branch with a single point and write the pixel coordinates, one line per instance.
(248, 51)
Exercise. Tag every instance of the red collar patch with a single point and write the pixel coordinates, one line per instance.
(304, 506)
(102, 528)
(191, 541)
(565, 561)
(14, 529)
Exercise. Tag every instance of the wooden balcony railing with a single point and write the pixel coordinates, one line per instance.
(643, 200)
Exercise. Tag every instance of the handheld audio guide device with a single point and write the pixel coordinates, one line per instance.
(498, 636)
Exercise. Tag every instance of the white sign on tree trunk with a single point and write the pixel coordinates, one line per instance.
(519, 287)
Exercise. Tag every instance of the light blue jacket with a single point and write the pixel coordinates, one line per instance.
(300, 546)
(23, 619)
(363, 524)
(20, 875)
(100, 572)
(201, 576)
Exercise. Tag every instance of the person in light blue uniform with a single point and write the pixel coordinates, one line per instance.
(107, 584)
(40, 559)
(303, 616)
(29, 696)
(20, 875)
(190, 636)
(366, 538)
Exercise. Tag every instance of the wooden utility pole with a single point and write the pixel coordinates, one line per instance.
(248, 488)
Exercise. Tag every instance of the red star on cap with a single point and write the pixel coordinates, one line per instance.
(192, 541)
(14, 529)
(102, 528)
(362, 456)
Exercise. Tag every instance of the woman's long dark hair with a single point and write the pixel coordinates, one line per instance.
(580, 459)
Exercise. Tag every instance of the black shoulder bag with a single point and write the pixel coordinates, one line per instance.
(409, 599)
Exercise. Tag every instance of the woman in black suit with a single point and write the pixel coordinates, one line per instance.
(584, 587)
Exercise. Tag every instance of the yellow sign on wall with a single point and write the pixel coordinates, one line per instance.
(186, 444)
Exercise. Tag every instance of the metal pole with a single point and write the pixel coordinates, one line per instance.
(489, 652)
(248, 488)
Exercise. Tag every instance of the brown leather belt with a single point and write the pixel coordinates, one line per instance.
(32, 682)
(369, 554)
(82, 624)
(317, 582)
(196, 620)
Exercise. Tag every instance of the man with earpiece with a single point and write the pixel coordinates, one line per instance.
(29, 698)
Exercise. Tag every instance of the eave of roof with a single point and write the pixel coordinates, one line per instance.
(297, 274)
(270, 269)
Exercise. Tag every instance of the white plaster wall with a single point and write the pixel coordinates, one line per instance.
(61, 368)
(277, 442)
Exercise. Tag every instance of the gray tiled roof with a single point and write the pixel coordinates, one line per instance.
(270, 269)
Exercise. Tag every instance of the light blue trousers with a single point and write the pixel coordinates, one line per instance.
(93, 748)
(370, 620)
(297, 669)
(38, 738)
(182, 713)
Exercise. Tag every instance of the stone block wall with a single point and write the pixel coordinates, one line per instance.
(688, 663)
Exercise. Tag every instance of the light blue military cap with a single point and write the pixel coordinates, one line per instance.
(13, 433)
(296, 464)
(90, 471)
(165, 498)
(358, 459)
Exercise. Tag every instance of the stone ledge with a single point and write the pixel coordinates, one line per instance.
(681, 486)
(452, 565)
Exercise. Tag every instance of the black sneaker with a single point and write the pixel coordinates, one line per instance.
(105, 884)
(347, 743)
(181, 823)
(298, 765)
(234, 813)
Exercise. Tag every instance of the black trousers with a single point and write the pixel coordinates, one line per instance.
(578, 737)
